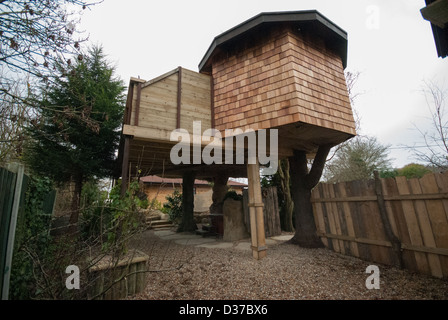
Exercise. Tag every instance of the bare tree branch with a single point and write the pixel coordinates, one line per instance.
(435, 150)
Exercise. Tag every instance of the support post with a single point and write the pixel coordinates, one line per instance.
(137, 104)
(179, 96)
(12, 231)
(257, 232)
(125, 165)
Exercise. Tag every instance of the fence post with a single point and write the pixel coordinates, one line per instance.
(12, 230)
(396, 244)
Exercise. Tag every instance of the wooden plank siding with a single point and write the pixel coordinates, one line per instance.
(157, 104)
(348, 219)
(282, 79)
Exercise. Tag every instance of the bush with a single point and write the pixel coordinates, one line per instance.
(174, 206)
(233, 195)
(40, 260)
(32, 238)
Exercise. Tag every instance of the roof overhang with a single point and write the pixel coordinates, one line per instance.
(321, 25)
(436, 12)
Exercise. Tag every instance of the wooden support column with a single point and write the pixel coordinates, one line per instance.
(257, 232)
(212, 101)
(179, 96)
(137, 104)
(125, 165)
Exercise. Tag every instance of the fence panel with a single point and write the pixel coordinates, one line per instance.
(7, 186)
(393, 221)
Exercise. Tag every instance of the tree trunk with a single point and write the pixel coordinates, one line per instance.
(188, 224)
(76, 201)
(287, 223)
(220, 189)
(302, 184)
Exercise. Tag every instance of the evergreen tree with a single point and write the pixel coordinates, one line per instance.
(80, 116)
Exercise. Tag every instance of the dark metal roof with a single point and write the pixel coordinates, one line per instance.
(435, 12)
(332, 33)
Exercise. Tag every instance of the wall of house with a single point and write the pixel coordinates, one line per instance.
(202, 198)
(159, 192)
(278, 79)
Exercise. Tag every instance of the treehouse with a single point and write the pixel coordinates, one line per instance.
(279, 70)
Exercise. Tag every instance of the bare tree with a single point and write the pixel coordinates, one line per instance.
(33, 34)
(351, 78)
(357, 160)
(14, 117)
(434, 152)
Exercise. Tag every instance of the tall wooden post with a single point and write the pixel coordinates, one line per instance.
(257, 232)
(125, 166)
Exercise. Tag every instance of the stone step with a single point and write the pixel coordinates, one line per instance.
(152, 218)
(162, 226)
(159, 224)
(202, 232)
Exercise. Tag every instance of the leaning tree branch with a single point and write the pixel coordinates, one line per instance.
(313, 177)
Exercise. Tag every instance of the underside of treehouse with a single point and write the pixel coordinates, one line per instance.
(184, 99)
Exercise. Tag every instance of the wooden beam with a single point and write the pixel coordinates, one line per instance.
(257, 233)
(161, 77)
(128, 110)
(137, 103)
(149, 134)
(385, 243)
(179, 96)
(212, 101)
(436, 13)
(125, 165)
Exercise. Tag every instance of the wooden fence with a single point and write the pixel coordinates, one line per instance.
(12, 190)
(393, 221)
(13, 187)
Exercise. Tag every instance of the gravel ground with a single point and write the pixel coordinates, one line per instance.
(289, 272)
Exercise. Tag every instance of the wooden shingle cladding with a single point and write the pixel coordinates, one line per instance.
(285, 77)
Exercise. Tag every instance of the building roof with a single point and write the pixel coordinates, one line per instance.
(159, 180)
(333, 34)
(436, 12)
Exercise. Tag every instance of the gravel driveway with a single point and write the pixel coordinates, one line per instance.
(289, 272)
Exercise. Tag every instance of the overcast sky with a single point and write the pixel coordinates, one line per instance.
(389, 43)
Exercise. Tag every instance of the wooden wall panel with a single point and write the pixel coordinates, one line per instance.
(158, 107)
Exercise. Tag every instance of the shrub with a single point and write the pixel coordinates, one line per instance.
(32, 238)
(174, 206)
(233, 195)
